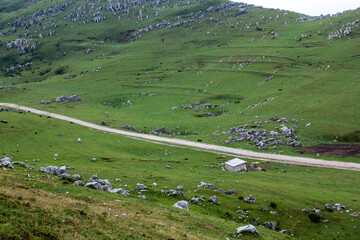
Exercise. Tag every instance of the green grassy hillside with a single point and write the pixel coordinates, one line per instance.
(197, 68)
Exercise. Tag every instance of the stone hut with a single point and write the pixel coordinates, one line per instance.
(235, 165)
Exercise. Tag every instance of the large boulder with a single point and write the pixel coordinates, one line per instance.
(246, 229)
(213, 200)
(182, 205)
(6, 162)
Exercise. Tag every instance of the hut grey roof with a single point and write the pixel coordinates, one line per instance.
(235, 162)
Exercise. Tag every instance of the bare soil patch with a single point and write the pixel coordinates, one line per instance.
(333, 150)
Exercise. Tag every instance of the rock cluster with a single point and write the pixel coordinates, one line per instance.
(337, 206)
(270, 225)
(250, 199)
(262, 138)
(66, 99)
(24, 46)
(344, 31)
(105, 185)
(59, 171)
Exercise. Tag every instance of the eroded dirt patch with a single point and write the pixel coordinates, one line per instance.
(333, 150)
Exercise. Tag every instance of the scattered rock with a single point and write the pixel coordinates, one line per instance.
(207, 185)
(213, 200)
(140, 187)
(79, 183)
(354, 214)
(24, 165)
(305, 210)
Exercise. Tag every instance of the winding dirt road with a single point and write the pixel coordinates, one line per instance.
(201, 146)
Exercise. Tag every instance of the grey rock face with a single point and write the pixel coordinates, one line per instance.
(180, 187)
(182, 205)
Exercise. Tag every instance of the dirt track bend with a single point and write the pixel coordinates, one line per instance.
(201, 146)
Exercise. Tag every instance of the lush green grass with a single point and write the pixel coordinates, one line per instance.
(181, 61)
(292, 188)
(175, 67)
